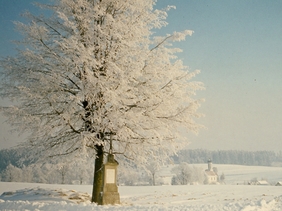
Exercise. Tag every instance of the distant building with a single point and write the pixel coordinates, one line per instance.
(165, 174)
(262, 182)
(258, 182)
(278, 184)
(211, 176)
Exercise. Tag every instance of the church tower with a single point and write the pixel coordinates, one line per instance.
(209, 165)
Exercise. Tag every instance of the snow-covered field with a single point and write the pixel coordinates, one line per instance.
(229, 197)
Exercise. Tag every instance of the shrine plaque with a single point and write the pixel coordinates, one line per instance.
(110, 176)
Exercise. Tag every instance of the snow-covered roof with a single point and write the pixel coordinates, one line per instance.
(262, 182)
(210, 173)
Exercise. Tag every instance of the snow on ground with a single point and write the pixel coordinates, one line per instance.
(229, 197)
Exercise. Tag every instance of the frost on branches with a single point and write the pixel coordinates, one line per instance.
(93, 70)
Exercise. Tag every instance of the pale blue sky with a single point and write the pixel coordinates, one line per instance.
(237, 45)
(238, 48)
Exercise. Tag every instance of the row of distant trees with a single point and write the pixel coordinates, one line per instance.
(78, 172)
(239, 157)
(13, 170)
(192, 156)
(47, 173)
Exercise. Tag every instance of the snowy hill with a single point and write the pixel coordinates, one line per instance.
(237, 174)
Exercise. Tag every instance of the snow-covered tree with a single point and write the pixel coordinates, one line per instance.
(198, 175)
(222, 178)
(63, 170)
(152, 167)
(27, 174)
(183, 174)
(43, 174)
(128, 176)
(82, 171)
(91, 71)
(12, 174)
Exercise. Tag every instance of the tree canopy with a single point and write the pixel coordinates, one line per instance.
(93, 70)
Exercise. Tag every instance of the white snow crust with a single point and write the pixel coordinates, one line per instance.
(229, 197)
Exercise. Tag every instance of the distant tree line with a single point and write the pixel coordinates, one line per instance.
(239, 157)
(13, 170)
(9, 156)
(192, 156)
(48, 173)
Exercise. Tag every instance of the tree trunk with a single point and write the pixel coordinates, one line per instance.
(98, 175)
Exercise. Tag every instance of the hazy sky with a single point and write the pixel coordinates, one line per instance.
(237, 45)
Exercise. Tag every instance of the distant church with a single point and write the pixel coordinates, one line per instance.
(211, 176)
